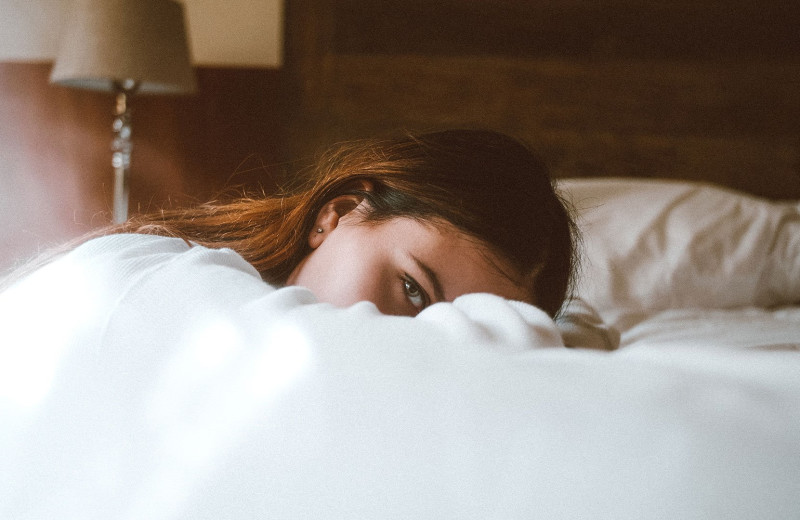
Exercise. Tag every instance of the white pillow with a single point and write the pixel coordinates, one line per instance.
(657, 244)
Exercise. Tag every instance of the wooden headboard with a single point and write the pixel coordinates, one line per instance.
(690, 89)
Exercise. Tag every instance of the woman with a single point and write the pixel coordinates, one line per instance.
(477, 204)
(150, 372)
(402, 223)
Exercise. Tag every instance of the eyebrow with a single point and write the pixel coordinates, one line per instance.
(438, 292)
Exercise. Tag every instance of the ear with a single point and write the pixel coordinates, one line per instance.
(329, 216)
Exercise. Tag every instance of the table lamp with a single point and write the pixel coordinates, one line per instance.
(124, 47)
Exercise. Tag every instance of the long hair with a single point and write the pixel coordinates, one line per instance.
(486, 184)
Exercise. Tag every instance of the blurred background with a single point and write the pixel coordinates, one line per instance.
(56, 178)
(705, 89)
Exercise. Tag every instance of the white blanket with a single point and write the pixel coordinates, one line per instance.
(163, 382)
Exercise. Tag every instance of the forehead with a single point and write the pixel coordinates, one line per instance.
(462, 263)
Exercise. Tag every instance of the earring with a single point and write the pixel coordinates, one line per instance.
(319, 230)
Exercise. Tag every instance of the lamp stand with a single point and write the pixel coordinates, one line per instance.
(121, 148)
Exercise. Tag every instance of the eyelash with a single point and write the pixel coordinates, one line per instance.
(409, 285)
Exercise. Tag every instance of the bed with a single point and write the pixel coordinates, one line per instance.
(678, 395)
(669, 388)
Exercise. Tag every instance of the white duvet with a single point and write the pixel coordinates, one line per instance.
(163, 382)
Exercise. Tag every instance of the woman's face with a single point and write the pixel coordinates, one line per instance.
(401, 265)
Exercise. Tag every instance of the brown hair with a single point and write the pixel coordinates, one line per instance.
(486, 184)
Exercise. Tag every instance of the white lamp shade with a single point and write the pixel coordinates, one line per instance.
(108, 41)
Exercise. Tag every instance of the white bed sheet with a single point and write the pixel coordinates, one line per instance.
(283, 408)
(745, 328)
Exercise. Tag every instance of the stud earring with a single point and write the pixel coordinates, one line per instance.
(319, 230)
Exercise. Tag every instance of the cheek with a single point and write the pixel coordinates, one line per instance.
(339, 275)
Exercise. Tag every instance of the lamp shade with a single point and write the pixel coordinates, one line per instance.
(108, 42)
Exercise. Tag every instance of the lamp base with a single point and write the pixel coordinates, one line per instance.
(121, 148)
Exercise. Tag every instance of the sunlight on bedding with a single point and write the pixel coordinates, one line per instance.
(219, 350)
(32, 351)
(280, 364)
(213, 389)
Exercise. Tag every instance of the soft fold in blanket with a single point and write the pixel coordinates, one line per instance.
(141, 378)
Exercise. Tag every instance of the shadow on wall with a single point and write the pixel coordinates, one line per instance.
(47, 193)
(55, 158)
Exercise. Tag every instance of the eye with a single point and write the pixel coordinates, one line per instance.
(414, 293)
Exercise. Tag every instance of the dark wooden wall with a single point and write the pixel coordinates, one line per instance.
(706, 89)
